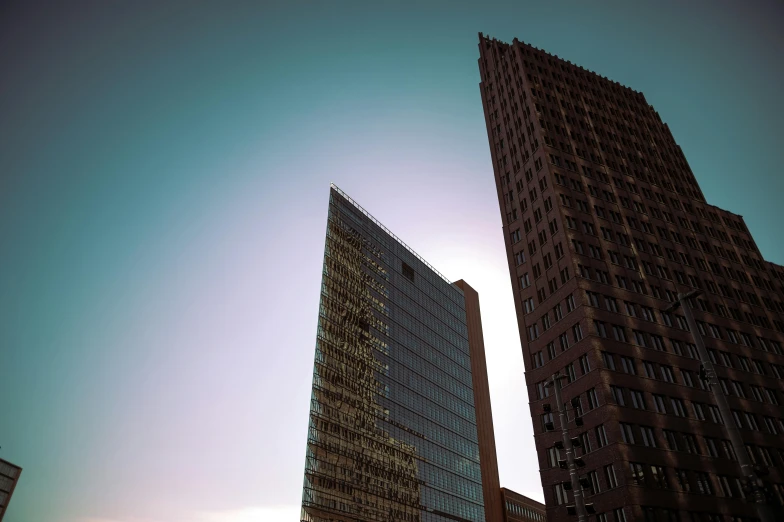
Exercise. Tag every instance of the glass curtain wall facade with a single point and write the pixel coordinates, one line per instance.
(392, 433)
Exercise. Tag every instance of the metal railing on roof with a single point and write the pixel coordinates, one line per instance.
(389, 232)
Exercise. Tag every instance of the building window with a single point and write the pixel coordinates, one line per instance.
(726, 489)
(537, 359)
(542, 391)
(683, 480)
(619, 333)
(659, 477)
(638, 477)
(639, 338)
(715, 414)
(586, 441)
(553, 456)
(751, 421)
(601, 329)
(627, 433)
(559, 494)
(617, 395)
(609, 475)
(609, 361)
(408, 272)
(672, 440)
(713, 449)
(585, 365)
(647, 436)
(691, 444)
(558, 312)
(593, 477)
(577, 331)
(638, 399)
(770, 424)
(678, 407)
(593, 402)
(601, 436)
(551, 350)
(667, 374)
(569, 371)
(703, 483)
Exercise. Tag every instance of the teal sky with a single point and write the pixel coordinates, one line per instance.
(164, 174)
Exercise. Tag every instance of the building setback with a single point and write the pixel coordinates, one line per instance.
(9, 477)
(604, 224)
(400, 423)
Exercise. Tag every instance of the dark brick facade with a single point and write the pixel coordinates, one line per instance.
(604, 224)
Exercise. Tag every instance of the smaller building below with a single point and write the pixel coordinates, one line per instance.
(519, 508)
(9, 476)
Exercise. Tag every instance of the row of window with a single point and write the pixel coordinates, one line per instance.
(673, 155)
(660, 514)
(739, 226)
(663, 272)
(661, 477)
(610, 479)
(682, 278)
(676, 406)
(675, 441)
(663, 215)
(596, 127)
(684, 349)
(525, 279)
(665, 373)
(664, 147)
(609, 196)
(675, 257)
(638, 207)
(534, 331)
(517, 510)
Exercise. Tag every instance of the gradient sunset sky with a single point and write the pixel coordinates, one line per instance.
(164, 177)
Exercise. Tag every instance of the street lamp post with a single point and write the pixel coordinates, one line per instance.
(577, 491)
(746, 467)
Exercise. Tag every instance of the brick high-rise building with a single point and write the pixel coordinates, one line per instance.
(604, 225)
(400, 421)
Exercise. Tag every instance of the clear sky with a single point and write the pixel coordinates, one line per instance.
(164, 175)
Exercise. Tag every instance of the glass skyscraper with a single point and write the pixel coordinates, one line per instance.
(399, 384)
